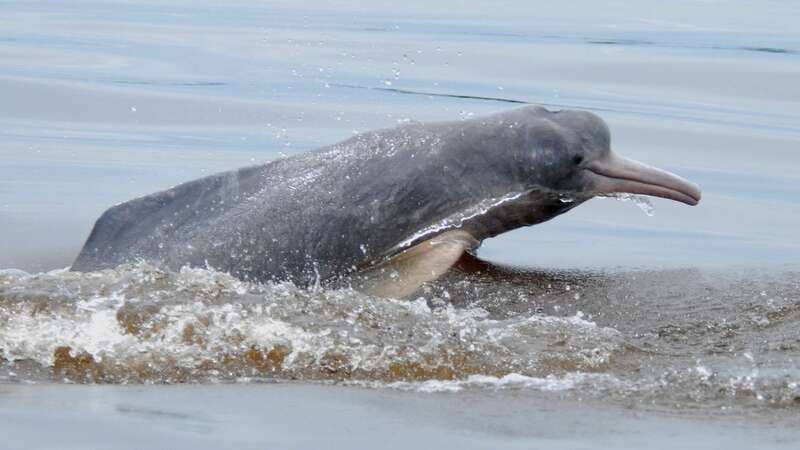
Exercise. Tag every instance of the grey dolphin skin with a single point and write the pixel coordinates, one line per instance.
(392, 208)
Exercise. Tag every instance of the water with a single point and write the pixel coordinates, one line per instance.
(691, 312)
(682, 338)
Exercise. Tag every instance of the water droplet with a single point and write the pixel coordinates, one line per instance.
(566, 198)
(641, 201)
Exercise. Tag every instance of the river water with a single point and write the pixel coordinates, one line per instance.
(683, 314)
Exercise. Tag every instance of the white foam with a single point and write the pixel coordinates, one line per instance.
(550, 383)
(139, 315)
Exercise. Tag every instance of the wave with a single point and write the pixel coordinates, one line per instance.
(668, 337)
(139, 323)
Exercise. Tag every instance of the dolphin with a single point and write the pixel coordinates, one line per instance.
(390, 209)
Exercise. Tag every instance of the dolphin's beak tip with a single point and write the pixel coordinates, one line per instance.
(697, 195)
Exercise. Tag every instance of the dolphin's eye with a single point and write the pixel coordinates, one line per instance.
(577, 159)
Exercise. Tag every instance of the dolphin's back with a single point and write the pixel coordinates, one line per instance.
(301, 218)
(141, 228)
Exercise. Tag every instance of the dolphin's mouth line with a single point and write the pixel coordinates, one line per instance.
(637, 187)
(616, 175)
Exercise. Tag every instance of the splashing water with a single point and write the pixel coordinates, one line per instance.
(641, 201)
(458, 219)
(139, 323)
(566, 198)
(715, 344)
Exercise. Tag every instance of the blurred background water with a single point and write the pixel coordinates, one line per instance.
(104, 101)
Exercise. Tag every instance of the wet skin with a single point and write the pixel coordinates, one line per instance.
(346, 207)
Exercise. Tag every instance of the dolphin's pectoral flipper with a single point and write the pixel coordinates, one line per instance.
(404, 273)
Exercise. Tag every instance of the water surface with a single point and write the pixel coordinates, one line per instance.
(690, 311)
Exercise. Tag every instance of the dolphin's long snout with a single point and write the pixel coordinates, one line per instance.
(617, 174)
